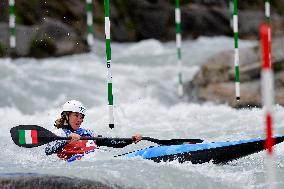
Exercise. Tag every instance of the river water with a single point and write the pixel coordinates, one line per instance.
(145, 101)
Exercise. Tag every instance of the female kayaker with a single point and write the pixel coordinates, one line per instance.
(68, 125)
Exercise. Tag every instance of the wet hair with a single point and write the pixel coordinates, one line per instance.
(63, 121)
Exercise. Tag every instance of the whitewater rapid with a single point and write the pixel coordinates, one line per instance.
(145, 101)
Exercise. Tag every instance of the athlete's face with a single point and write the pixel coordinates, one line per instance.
(75, 120)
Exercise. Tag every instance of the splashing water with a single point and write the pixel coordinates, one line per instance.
(145, 100)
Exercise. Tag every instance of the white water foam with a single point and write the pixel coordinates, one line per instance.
(145, 100)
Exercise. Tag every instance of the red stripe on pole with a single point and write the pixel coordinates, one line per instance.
(269, 139)
(34, 136)
(264, 34)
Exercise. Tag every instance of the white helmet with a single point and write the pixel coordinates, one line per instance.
(74, 106)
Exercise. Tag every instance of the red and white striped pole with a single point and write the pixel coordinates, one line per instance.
(267, 98)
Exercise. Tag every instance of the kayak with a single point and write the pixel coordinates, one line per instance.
(30, 136)
(217, 152)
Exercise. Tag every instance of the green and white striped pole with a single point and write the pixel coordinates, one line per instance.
(178, 44)
(12, 23)
(90, 28)
(108, 60)
(236, 58)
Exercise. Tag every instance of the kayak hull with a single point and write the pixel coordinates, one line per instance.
(217, 152)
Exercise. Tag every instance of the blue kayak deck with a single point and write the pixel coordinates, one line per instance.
(218, 152)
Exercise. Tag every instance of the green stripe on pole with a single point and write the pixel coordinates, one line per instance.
(180, 77)
(236, 37)
(178, 28)
(12, 31)
(108, 49)
(89, 7)
(22, 137)
(177, 4)
(106, 6)
(237, 79)
(235, 12)
(110, 96)
(90, 29)
(179, 53)
(12, 10)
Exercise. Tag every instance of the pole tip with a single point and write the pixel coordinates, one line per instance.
(111, 126)
(238, 98)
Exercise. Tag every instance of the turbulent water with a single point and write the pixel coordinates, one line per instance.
(145, 99)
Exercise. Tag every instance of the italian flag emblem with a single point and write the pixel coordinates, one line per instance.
(28, 137)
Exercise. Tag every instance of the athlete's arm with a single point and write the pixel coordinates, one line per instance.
(54, 147)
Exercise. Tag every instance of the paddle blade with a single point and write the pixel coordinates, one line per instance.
(30, 136)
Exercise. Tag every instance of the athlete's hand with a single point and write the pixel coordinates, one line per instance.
(136, 138)
(74, 137)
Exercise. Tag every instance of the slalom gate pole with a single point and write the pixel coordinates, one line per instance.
(267, 99)
(108, 60)
(90, 27)
(236, 57)
(178, 44)
(12, 24)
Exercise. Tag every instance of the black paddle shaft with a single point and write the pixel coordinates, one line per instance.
(172, 141)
